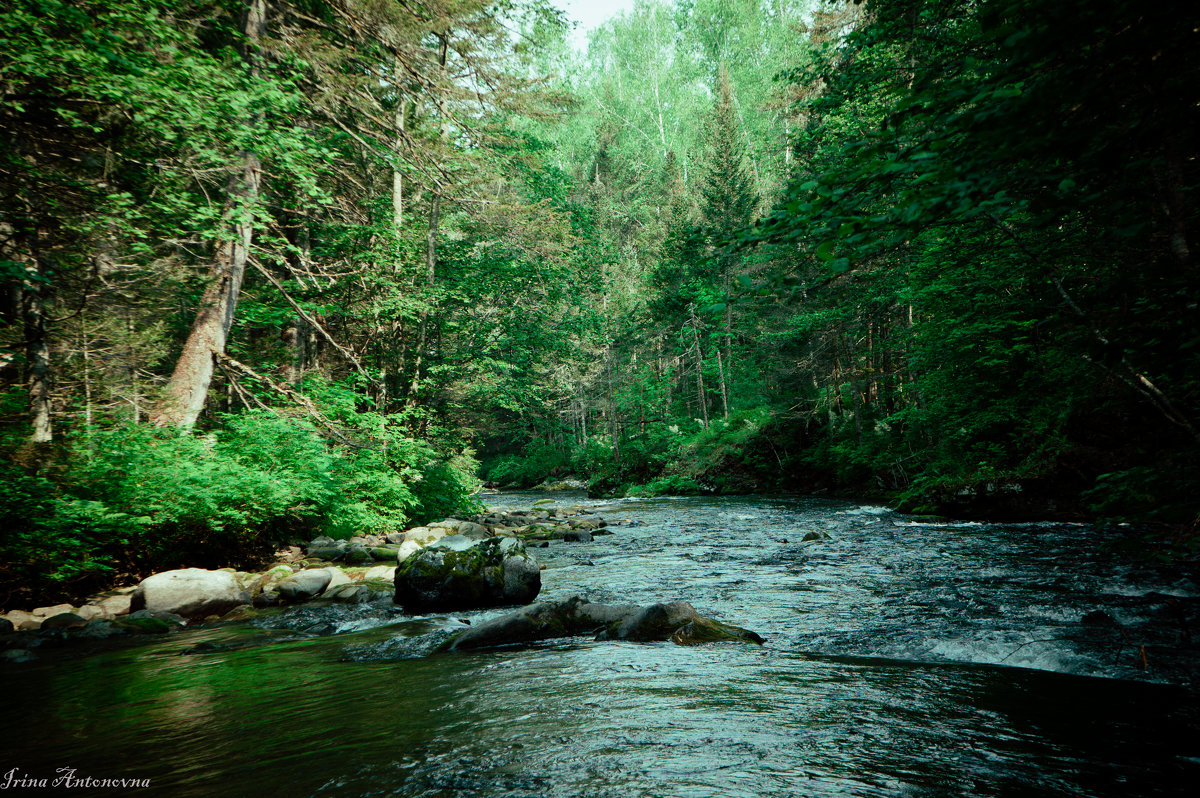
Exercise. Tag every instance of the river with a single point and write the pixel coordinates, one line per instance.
(902, 658)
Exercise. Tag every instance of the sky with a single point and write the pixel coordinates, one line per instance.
(590, 14)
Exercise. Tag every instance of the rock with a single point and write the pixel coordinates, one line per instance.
(406, 550)
(6, 626)
(467, 575)
(57, 609)
(116, 605)
(304, 585)
(337, 577)
(64, 620)
(23, 621)
(577, 536)
(359, 555)
(190, 593)
(100, 629)
(469, 529)
(395, 538)
(677, 621)
(383, 553)
(269, 580)
(266, 599)
(362, 592)
(89, 612)
(240, 613)
(328, 553)
(321, 542)
(455, 543)
(423, 535)
(380, 572)
(19, 655)
(149, 622)
(290, 554)
(814, 535)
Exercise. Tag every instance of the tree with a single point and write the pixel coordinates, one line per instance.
(187, 389)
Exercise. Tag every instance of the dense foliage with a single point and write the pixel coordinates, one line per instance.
(273, 267)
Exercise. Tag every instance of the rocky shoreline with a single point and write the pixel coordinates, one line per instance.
(359, 570)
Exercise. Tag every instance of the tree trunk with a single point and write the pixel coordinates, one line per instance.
(37, 357)
(187, 388)
(724, 390)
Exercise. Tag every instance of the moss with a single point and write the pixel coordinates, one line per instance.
(144, 626)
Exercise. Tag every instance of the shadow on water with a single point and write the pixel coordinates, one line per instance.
(878, 679)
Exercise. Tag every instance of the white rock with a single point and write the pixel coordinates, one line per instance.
(337, 578)
(407, 549)
(90, 612)
(424, 535)
(115, 605)
(22, 620)
(305, 584)
(190, 592)
(381, 572)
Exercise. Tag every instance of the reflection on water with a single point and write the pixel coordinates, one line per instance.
(886, 673)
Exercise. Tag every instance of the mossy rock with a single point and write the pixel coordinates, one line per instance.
(384, 554)
(457, 574)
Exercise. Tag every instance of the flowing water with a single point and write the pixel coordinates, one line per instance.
(902, 658)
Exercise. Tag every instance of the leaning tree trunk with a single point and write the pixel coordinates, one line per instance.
(187, 389)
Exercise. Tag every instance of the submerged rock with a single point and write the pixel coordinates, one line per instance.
(457, 573)
(190, 592)
(677, 621)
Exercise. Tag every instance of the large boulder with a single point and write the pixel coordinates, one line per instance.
(677, 621)
(190, 593)
(458, 573)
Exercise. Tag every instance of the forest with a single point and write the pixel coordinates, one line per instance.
(273, 268)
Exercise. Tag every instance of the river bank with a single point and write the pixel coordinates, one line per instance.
(359, 570)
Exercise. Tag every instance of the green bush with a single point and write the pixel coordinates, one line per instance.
(138, 499)
(666, 486)
(54, 546)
